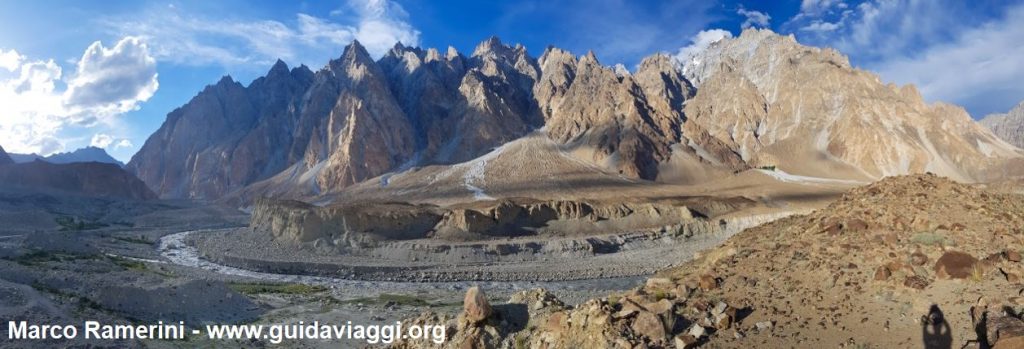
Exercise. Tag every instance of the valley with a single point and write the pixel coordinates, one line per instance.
(758, 193)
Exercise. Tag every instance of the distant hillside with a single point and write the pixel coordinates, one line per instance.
(87, 154)
(4, 158)
(86, 178)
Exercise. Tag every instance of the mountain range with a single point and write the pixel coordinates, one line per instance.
(87, 154)
(760, 100)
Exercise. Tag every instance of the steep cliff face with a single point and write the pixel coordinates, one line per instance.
(807, 111)
(625, 122)
(226, 137)
(1009, 126)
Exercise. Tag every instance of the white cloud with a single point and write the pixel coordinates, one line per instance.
(10, 60)
(101, 140)
(816, 8)
(115, 80)
(700, 42)
(754, 18)
(952, 50)
(35, 110)
(124, 143)
(980, 68)
(183, 38)
(821, 26)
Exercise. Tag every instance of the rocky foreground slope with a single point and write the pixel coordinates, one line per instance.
(1008, 126)
(904, 262)
(758, 100)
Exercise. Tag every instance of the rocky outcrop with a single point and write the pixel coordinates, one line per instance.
(1008, 126)
(806, 110)
(355, 224)
(348, 225)
(91, 179)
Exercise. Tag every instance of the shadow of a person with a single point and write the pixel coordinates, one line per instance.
(935, 330)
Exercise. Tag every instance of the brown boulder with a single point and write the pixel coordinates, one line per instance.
(686, 341)
(955, 265)
(1012, 255)
(649, 325)
(475, 307)
(916, 282)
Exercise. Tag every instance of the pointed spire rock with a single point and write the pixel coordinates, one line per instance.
(280, 67)
(492, 44)
(433, 55)
(452, 53)
(354, 53)
(589, 58)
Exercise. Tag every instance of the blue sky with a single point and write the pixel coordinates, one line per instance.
(107, 72)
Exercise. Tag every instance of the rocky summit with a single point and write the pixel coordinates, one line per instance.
(760, 100)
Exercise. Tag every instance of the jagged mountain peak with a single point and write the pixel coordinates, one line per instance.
(359, 118)
(279, 67)
(491, 45)
(589, 58)
(452, 53)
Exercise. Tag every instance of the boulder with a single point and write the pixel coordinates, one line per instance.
(649, 325)
(1012, 255)
(475, 307)
(916, 282)
(955, 265)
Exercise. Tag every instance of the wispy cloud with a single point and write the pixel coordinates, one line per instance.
(700, 42)
(181, 37)
(952, 51)
(106, 84)
(754, 18)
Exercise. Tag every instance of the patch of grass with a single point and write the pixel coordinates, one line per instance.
(930, 239)
(82, 303)
(659, 295)
(133, 240)
(521, 341)
(69, 223)
(768, 168)
(128, 263)
(977, 273)
(38, 257)
(389, 297)
(264, 288)
(613, 300)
